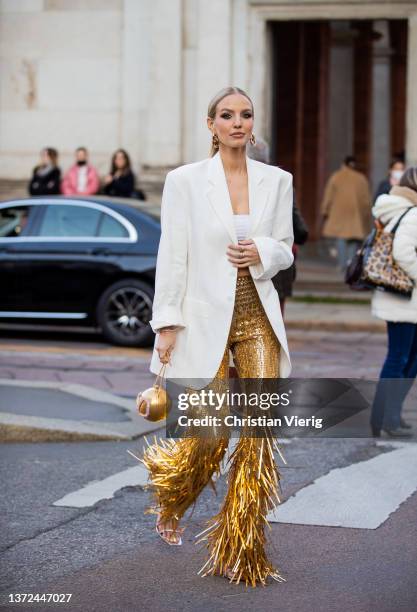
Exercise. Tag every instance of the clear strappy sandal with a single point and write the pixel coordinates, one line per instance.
(161, 532)
(229, 574)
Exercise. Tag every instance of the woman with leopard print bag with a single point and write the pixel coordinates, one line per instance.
(400, 312)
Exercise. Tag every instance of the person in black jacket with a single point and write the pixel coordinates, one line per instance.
(284, 280)
(46, 177)
(120, 182)
(396, 171)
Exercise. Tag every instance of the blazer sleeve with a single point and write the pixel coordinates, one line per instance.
(275, 251)
(171, 264)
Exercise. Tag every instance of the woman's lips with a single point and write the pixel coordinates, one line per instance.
(237, 135)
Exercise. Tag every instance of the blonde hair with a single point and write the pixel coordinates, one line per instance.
(211, 112)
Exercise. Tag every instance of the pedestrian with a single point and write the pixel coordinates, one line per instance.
(284, 280)
(400, 367)
(259, 150)
(46, 176)
(395, 172)
(82, 178)
(345, 210)
(226, 231)
(120, 182)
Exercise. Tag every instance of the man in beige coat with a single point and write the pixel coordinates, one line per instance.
(346, 210)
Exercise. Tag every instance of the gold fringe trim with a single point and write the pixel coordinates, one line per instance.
(179, 470)
(235, 536)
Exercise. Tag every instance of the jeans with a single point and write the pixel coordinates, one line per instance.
(397, 375)
(346, 248)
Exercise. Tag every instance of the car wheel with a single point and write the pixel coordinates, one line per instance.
(124, 311)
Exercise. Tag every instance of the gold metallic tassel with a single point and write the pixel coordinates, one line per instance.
(235, 536)
(179, 471)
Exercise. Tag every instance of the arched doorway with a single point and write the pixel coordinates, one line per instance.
(338, 88)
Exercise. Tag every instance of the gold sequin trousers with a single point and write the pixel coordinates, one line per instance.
(180, 469)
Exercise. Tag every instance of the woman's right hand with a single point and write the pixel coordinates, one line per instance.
(165, 344)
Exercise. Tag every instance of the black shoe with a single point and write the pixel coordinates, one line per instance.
(376, 432)
(404, 424)
(398, 433)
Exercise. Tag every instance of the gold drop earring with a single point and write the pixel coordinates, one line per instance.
(215, 140)
(253, 139)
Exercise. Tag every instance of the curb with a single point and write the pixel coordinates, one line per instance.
(336, 326)
(28, 428)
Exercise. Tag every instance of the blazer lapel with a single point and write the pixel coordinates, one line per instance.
(259, 190)
(219, 197)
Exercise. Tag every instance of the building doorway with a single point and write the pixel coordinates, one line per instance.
(338, 88)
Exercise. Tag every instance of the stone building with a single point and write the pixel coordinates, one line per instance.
(328, 78)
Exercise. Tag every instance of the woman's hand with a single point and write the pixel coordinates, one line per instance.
(108, 179)
(244, 254)
(165, 344)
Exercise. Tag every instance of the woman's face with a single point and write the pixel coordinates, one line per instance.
(120, 160)
(398, 166)
(81, 156)
(396, 172)
(233, 122)
(45, 159)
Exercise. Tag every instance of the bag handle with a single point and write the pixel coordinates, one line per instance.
(160, 375)
(394, 229)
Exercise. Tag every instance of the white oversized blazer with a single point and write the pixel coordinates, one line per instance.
(195, 282)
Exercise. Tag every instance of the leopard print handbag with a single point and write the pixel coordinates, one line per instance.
(380, 271)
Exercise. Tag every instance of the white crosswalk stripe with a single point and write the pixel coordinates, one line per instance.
(361, 495)
(95, 491)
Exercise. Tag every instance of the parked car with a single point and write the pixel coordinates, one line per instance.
(87, 261)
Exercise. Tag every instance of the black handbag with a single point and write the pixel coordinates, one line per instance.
(354, 269)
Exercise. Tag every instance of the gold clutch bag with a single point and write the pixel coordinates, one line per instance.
(153, 403)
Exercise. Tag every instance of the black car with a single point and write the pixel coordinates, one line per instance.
(86, 261)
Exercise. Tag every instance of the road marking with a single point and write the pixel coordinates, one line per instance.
(361, 495)
(135, 476)
(95, 491)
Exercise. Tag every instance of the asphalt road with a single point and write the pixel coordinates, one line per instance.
(108, 554)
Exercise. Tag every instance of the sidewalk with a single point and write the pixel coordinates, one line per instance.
(331, 317)
(42, 411)
(322, 301)
(63, 390)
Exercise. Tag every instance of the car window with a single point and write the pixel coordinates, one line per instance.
(13, 220)
(111, 228)
(69, 220)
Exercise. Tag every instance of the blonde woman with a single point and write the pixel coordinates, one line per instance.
(226, 231)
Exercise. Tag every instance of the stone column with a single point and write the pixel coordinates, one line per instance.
(151, 81)
(381, 104)
(411, 106)
(213, 66)
(340, 133)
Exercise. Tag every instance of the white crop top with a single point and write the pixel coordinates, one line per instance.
(241, 226)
